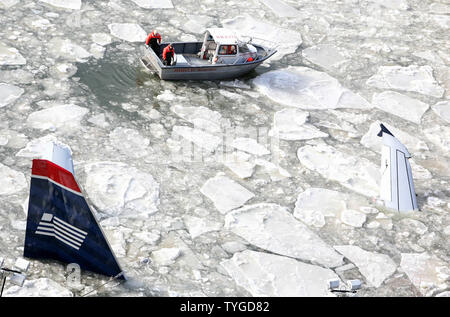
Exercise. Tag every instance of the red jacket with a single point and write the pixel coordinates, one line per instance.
(168, 50)
(153, 36)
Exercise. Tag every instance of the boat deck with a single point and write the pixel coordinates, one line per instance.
(192, 59)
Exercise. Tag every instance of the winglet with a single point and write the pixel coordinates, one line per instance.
(383, 130)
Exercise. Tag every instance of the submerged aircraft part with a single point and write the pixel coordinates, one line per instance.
(397, 186)
(60, 224)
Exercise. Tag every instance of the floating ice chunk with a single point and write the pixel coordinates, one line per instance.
(198, 226)
(442, 109)
(270, 35)
(165, 256)
(67, 49)
(353, 218)
(66, 4)
(130, 32)
(324, 55)
(225, 193)
(97, 51)
(99, 120)
(201, 117)
(235, 84)
(197, 24)
(272, 227)
(400, 105)
(9, 94)
(239, 163)
(306, 88)
(375, 267)
(200, 138)
(314, 204)
(412, 78)
(280, 8)
(250, 146)
(6, 4)
(393, 4)
(414, 226)
(289, 124)
(275, 172)
(440, 8)
(57, 117)
(427, 272)
(118, 189)
(439, 135)
(154, 4)
(12, 180)
(373, 142)
(263, 274)
(430, 56)
(42, 287)
(129, 142)
(101, 38)
(117, 241)
(353, 172)
(10, 56)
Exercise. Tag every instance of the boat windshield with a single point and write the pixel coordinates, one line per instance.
(227, 50)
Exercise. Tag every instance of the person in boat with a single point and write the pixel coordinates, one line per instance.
(168, 55)
(154, 40)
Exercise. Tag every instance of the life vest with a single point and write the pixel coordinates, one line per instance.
(153, 36)
(168, 50)
(250, 59)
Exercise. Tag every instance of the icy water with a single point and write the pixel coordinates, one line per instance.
(265, 186)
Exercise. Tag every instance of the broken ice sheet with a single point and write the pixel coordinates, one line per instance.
(280, 8)
(66, 4)
(290, 124)
(154, 4)
(324, 55)
(412, 78)
(305, 88)
(10, 56)
(130, 32)
(264, 274)
(353, 172)
(42, 287)
(375, 267)
(9, 94)
(59, 116)
(225, 193)
(272, 227)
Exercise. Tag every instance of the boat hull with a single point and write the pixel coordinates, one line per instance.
(198, 72)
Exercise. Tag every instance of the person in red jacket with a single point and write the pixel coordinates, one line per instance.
(153, 40)
(168, 54)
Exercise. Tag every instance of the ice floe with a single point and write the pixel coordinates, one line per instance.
(42, 287)
(201, 117)
(225, 193)
(68, 50)
(12, 180)
(5, 4)
(375, 267)
(240, 163)
(249, 145)
(199, 225)
(10, 56)
(305, 88)
(275, 172)
(272, 227)
(200, 138)
(290, 124)
(400, 105)
(393, 4)
(165, 256)
(60, 116)
(412, 78)
(129, 142)
(315, 204)
(324, 55)
(117, 189)
(39, 148)
(426, 271)
(130, 32)
(442, 109)
(263, 274)
(66, 4)
(439, 135)
(101, 38)
(353, 172)
(154, 4)
(280, 8)
(373, 142)
(353, 218)
(287, 41)
(9, 94)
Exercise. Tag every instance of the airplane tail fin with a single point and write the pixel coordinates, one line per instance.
(60, 224)
(397, 186)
